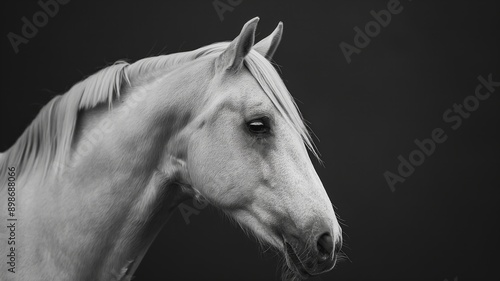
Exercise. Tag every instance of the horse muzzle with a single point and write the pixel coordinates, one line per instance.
(309, 259)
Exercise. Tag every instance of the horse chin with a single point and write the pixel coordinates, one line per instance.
(295, 269)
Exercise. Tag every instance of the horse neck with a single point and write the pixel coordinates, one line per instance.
(118, 191)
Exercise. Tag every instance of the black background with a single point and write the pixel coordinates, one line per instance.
(439, 224)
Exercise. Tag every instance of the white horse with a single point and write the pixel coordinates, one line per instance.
(101, 168)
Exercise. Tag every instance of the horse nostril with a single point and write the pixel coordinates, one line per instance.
(325, 246)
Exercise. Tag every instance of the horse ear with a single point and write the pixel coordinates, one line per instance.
(268, 45)
(232, 58)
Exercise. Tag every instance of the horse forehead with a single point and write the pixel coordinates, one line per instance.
(245, 92)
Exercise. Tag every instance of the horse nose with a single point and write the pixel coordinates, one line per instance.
(326, 247)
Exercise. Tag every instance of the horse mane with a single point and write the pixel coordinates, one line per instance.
(48, 138)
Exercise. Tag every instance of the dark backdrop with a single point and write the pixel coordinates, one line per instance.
(440, 223)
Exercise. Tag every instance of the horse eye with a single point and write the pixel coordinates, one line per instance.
(258, 126)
